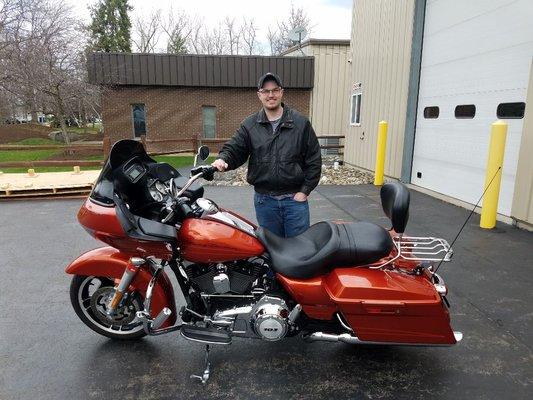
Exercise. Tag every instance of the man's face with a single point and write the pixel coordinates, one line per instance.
(270, 95)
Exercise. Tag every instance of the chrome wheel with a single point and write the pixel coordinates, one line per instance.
(90, 296)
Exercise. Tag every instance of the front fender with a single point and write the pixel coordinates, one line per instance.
(110, 262)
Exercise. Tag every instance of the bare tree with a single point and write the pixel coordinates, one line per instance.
(146, 32)
(178, 29)
(43, 60)
(234, 35)
(279, 38)
(212, 41)
(195, 38)
(249, 37)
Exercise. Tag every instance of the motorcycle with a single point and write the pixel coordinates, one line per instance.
(356, 282)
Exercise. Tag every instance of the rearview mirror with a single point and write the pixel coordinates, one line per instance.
(202, 154)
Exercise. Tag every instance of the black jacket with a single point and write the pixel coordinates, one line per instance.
(281, 162)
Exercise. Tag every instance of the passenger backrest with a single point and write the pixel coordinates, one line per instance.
(395, 202)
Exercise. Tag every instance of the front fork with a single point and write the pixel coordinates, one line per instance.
(127, 277)
(151, 325)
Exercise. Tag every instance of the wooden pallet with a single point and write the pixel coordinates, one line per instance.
(6, 194)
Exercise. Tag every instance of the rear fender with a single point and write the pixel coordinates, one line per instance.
(110, 262)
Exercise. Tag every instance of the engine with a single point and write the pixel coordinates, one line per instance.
(270, 318)
(237, 277)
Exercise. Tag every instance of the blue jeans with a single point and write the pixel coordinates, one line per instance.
(285, 217)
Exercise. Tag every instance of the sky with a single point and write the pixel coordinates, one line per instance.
(331, 18)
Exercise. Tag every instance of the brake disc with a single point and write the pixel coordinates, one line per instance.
(123, 315)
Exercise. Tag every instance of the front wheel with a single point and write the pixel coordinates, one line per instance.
(90, 295)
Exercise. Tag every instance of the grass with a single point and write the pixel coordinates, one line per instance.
(35, 142)
(26, 155)
(176, 161)
(89, 129)
(180, 161)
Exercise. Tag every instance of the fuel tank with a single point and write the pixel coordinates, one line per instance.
(210, 240)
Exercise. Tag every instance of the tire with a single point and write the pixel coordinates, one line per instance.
(87, 295)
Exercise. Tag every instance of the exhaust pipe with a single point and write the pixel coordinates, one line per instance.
(350, 339)
(328, 337)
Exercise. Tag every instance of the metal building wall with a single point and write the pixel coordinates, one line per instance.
(380, 50)
(523, 195)
(196, 70)
(329, 98)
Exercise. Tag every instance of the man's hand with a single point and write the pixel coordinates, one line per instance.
(300, 196)
(220, 164)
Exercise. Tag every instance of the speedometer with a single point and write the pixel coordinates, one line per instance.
(156, 195)
(161, 187)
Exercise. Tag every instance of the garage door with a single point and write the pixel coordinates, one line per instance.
(475, 64)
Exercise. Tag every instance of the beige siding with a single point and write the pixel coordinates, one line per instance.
(381, 50)
(329, 98)
(523, 196)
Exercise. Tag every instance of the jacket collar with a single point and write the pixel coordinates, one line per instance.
(286, 117)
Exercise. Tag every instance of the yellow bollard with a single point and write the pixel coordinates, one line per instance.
(77, 170)
(494, 174)
(380, 153)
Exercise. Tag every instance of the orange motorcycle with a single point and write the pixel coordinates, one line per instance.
(356, 282)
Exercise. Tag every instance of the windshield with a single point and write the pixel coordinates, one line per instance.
(121, 152)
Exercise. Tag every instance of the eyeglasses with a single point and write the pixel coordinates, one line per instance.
(274, 91)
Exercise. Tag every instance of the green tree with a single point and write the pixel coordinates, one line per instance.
(177, 45)
(111, 26)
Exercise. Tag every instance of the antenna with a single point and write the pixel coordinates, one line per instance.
(296, 35)
(471, 212)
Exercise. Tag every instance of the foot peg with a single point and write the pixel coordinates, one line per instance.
(205, 335)
(205, 376)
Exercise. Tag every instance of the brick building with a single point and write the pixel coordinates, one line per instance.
(180, 96)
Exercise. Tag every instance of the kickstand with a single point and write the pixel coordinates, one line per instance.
(205, 377)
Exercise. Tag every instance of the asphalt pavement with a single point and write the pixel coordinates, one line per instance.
(46, 352)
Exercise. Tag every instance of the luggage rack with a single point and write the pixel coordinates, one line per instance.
(415, 248)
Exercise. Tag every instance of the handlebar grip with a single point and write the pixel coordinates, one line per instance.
(206, 171)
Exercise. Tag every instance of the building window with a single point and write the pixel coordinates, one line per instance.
(355, 114)
(467, 111)
(511, 110)
(139, 120)
(209, 119)
(431, 112)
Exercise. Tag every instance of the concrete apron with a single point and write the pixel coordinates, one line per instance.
(47, 353)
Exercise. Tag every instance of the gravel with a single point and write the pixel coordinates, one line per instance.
(341, 175)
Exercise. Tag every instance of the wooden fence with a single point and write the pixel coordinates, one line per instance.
(152, 146)
(105, 147)
(213, 144)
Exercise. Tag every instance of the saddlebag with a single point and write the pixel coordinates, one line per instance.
(390, 306)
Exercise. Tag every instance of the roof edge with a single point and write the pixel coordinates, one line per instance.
(310, 42)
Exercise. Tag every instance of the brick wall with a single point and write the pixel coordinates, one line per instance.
(177, 112)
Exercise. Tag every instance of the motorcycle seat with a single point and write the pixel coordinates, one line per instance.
(324, 247)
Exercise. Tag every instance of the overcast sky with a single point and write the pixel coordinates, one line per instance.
(331, 18)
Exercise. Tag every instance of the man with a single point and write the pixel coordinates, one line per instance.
(284, 160)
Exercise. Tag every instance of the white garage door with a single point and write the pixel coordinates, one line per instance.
(476, 55)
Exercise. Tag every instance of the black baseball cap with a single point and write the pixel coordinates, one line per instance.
(269, 76)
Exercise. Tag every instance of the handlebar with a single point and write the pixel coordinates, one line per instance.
(204, 171)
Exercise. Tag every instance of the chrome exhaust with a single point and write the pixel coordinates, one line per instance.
(328, 337)
(350, 339)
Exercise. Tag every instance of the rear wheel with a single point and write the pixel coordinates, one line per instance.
(90, 295)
